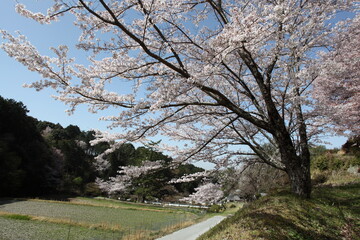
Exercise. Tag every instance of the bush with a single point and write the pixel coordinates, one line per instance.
(328, 161)
(354, 161)
(334, 162)
(92, 190)
(319, 177)
(232, 206)
(78, 181)
(215, 208)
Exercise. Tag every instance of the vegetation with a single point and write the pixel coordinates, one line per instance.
(17, 216)
(332, 166)
(333, 212)
(219, 75)
(25, 158)
(105, 219)
(40, 230)
(43, 158)
(251, 180)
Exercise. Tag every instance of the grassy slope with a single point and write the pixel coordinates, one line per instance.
(332, 213)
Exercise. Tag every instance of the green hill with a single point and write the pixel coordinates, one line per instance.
(332, 213)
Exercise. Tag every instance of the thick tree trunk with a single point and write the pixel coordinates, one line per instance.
(300, 179)
(297, 165)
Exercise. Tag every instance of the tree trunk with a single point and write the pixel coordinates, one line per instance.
(296, 166)
(300, 179)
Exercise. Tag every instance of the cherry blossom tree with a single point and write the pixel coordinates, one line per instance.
(206, 194)
(219, 75)
(337, 88)
(121, 182)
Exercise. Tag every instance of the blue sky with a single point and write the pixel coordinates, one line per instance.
(14, 75)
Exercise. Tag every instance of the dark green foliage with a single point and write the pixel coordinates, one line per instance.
(75, 156)
(25, 158)
(352, 146)
(38, 157)
(11, 175)
(123, 156)
(187, 187)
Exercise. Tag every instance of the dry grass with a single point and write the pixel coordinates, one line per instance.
(94, 203)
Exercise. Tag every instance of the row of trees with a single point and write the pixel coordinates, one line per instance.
(42, 158)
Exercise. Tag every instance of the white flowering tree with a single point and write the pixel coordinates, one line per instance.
(337, 88)
(219, 75)
(206, 194)
(121, 183)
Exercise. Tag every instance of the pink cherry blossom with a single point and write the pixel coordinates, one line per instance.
(207, 194)
(337, 88)
(228, 78)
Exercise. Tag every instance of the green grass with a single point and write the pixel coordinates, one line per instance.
(17, 217)
(13, 229)
(101, 217)
(332, 213)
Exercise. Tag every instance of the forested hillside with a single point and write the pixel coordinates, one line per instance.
(27, 163)
(43, 158)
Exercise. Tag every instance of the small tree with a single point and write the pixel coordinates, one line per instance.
(207, 194)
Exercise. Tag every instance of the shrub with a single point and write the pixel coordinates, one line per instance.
(328, 161)
(354, 161)
(319, 177)
(78, 181)
(92, 189)
(215, 208)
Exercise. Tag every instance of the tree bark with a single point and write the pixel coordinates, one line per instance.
(297, 165)
(299, 174)
(297, 168)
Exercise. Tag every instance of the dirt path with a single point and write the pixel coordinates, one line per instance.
(194, 231)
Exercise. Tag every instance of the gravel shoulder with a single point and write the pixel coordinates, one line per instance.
(194, 231)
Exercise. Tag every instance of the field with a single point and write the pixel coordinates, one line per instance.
(85, 218)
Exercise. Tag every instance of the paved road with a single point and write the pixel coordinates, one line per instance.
(194, 231)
